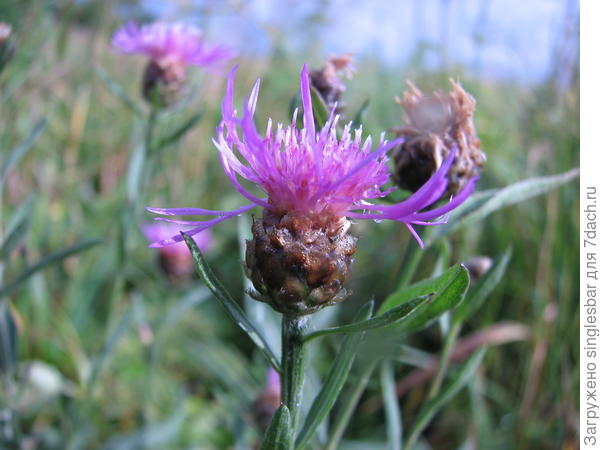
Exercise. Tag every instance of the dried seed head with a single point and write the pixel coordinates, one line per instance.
(300, 264)
(163, 83)
(7, 46)
(434, 125)
(327, 82)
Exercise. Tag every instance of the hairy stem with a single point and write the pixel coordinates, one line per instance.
(292, 364)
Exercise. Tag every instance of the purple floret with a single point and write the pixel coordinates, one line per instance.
(170, 43)
(312, 173)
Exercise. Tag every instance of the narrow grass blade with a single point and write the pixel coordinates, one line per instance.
(510, 195)
(8, 339)
(117, 90)
(234, 311)
(21, 149)
(279, 433)
(390, 317)
(334, 382)
(17, 228)
(112, 339)
(13, 285)
(180, 131)
(393, 417)
(135, 170)
(349, 403)
(483, 288)
(431, 407)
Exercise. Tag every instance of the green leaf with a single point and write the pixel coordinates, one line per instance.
(180, 131)
(279, 433)
(482, 288)
(447, 298)
(117, 90)
(390, 317)
(393, 417)
(431, 407)
(335, 380)
(234, 311)
(422, 288)
(13, 285)
(320, 109)
(510, 195)
(21, 149)
(17, 228)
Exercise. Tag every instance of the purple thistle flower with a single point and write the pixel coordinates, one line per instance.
(170, 49)
(312, 174)
(170, 43)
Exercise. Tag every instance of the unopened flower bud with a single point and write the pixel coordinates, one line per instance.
(268, 401)
(176, 261)
(300, 264)
(434, 125)
(478, 266)
(163, 84)
(327, 82)
(7, 46)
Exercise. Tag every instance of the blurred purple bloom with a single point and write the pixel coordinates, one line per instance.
(158, 231)
(310, 172)
(273, 382)
(170, 43)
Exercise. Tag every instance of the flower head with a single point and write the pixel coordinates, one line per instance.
(435, 125)
(327, 82)
(311, 173)
(301, 253)
(168, 43)
(170, 47)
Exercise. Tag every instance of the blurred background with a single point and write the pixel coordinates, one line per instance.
(109, 351)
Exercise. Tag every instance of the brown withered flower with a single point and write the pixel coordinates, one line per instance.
(327, 83)
(435, 125)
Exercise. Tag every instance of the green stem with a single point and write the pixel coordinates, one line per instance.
(292, 364)
(347, 408)
(449, 342)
